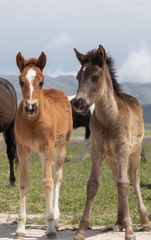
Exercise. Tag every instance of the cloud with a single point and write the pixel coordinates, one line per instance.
(59, 41)
(137, 67)
(60, 72)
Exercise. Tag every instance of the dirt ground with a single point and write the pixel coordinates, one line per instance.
(8, 227)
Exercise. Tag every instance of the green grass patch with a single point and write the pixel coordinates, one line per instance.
(78, 133)
(147, 130)
(73, 189)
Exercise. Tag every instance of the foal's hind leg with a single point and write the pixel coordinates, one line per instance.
(24, 163)
(123, 191)
(57, 177)
(119, 223)
(135, 179)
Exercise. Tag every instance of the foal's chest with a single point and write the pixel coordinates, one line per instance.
(33, 137)
(107, 140)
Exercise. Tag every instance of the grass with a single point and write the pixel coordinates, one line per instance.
(147, 130)
(73, 189)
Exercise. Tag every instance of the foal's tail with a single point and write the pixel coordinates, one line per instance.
(143, 157)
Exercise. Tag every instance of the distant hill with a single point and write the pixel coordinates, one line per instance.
(147, 113)
(141, 91)
(69, 85)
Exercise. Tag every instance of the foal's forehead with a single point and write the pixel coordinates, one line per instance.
(88, 69)
(31, 73)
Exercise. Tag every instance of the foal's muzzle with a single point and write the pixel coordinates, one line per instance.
(31, 108)
(80, 105)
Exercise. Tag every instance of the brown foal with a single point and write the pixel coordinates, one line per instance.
(117, 131)
(43, 124)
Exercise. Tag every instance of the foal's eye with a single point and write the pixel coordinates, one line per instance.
(21, 83)
(94, 78)
(41, 83)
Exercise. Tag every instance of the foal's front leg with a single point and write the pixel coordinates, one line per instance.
(24, 163)
(119, 223)
(92, 188)
(59, 156)
(47, 186)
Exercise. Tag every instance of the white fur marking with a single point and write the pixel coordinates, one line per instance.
(30, 77)
(92, 108)
(71, 97)
(56, 199)
(84, 68)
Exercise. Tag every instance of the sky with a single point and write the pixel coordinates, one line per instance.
(57, 26)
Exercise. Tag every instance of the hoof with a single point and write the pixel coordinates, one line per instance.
(117, 228)
(147, 228)
(12, 183)
(19, 235)
(78, 238)
(66, 159)
(130, 238)
(51, 235)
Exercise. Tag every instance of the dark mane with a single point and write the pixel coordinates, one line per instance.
(92, 58)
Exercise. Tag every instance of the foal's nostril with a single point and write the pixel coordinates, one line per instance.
(81, 101)
(34, 105)
(78, 102)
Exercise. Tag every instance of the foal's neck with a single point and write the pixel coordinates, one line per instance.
(106, 108)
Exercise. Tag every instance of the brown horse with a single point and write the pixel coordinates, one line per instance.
(117, 131)
(8, 108)
(43, 124)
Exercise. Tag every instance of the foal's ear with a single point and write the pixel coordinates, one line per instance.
(20, 61)
(101, 53)
(80, 56)
(41, 62)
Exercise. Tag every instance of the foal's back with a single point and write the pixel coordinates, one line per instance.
(130, 112)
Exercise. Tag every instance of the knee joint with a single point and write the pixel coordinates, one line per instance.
(24, 188)
(92, 187)
(57, 177)
(123, 186)
(47, 184)
(93, 184)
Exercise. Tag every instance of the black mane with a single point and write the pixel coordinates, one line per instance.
(92, 58)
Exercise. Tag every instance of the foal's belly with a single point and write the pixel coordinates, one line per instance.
(107, 147)
(110, 146)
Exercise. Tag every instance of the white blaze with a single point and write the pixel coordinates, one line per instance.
(30, 77)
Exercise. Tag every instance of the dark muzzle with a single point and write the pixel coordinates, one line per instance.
(31, 108)
(80, 105)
